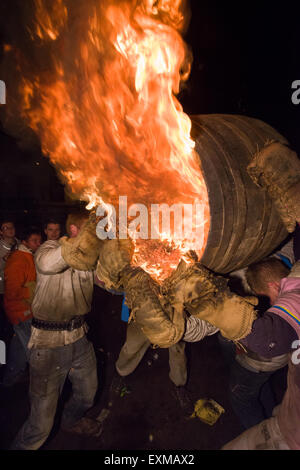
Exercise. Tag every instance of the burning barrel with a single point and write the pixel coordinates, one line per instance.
(244, 223)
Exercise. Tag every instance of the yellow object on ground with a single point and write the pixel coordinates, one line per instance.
(208, 411)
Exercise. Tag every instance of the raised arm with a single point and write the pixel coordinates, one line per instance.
(49, 260)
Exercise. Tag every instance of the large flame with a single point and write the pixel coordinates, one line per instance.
(105, 109)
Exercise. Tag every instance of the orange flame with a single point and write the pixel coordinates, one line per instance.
(106, 111)
(49, 23)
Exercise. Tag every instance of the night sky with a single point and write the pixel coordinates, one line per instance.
(246, 56)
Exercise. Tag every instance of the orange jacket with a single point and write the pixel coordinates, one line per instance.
(19, 269)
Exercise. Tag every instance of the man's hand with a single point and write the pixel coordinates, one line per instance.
(114, 256)
(206, 296)
(232, 314)
(81, 252)
(191, 284)
(276, 169)
(160, 322)
(163, 327)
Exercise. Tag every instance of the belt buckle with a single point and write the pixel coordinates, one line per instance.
(71, 326)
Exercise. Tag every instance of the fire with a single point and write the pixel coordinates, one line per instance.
(159, 257)
(48, 24)
(105, 108)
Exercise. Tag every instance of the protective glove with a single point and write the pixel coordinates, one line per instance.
(82, 251)
(31, 285)
(276, 169)
(206, 296)
(196, 329)
(114, 256)
(232, 314)
(160, 322)
(191, 283)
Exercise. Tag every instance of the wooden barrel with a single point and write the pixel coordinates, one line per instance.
(244, 224)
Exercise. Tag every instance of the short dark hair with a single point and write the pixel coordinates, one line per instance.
(259, 274)
(28, 231)
(5, 221)
(51, 221)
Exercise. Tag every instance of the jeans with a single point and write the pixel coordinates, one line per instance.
(228, 349)
(49, 369)
(250, 392)
(18, 355)
(251, 395)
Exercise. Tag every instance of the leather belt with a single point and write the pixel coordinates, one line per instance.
(73, 324)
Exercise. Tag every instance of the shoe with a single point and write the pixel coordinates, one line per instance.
(183, 398)
(85, 427)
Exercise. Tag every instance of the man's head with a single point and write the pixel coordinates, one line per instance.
(52, 230)
(31, 238)
(7, 230)
(264, 277)
(75, 222)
